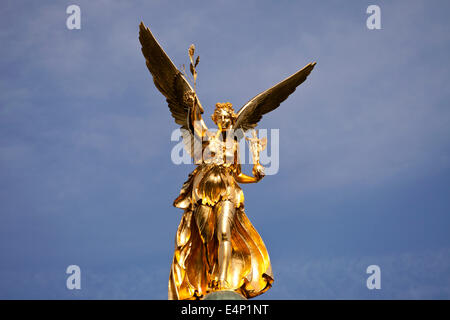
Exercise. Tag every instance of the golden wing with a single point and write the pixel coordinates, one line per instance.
(251, 113)
(172, 84)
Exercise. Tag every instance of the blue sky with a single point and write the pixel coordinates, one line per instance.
(85, 170)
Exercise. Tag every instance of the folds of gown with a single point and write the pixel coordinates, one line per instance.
(195, 268)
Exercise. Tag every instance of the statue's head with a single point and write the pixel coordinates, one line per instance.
(224, 115)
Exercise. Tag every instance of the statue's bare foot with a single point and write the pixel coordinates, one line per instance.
(223, 285)
(219, 285)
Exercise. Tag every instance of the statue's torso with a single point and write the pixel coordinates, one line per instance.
(220, 151)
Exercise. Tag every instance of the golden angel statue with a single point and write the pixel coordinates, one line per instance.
(216, 246)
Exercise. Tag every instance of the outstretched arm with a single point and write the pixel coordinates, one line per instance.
(258, 172)
(243, 178)
(196, 119)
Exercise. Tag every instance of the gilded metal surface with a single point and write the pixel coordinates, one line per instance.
(216, 246)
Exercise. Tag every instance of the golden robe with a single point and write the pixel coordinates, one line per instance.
(194, 270)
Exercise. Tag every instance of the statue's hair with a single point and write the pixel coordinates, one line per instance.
(227, 106)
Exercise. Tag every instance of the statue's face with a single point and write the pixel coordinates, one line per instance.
(223, 118)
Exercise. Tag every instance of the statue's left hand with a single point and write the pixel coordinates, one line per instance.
(258, 171)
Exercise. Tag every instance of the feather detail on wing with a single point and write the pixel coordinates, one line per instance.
(170, 82)
(251, 113)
